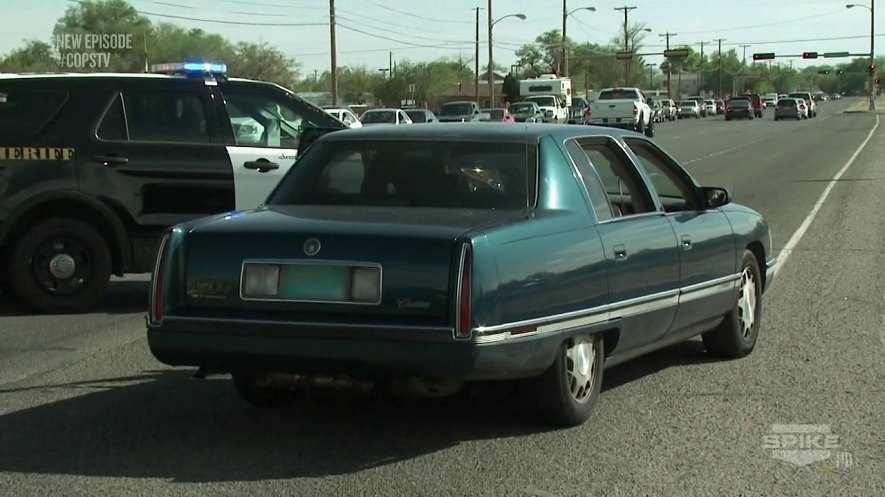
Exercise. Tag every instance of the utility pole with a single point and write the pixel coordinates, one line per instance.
(872, 55)
(563, 64)
(476, 59)
(667, 36)
(334, 49)
(491, 71)
(745, 47)
(720, 40)
(701, 71)
(627, 62)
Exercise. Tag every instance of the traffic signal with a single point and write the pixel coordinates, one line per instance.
(877, 81)
(872, 68)
(824, 72)
(763, 56)
(809, 55)
(840, 72)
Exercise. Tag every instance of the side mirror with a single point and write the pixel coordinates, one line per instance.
(716, 197)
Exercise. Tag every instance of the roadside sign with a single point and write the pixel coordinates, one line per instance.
(676, 52)
(624, 55)
(835, 54)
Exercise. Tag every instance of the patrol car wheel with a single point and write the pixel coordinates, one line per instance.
(736, 336)
(568, 390)
(60, 266)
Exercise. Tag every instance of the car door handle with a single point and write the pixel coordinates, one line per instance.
(261, 165)
(686, 242)
(620, 252)
(110, 160)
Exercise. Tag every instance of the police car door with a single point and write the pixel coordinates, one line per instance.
(267, 127)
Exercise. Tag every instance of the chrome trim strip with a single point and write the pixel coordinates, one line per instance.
(599, 314)
(199, 319)
(154, 277)
(457, 328)
(311, 262)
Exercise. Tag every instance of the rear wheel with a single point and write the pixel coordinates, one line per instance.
(568, 390)
(60, 266)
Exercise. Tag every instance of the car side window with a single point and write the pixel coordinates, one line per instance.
(264, 121)
(674, 191)
(113, 123)
(166, 116)
(623, 185)
(591, 181)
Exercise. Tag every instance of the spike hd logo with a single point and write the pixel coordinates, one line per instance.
(805, 444)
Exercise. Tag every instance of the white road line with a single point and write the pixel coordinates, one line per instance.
(794, 240)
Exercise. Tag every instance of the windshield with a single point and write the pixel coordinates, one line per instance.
(687, 103)
(455, 109)
(544, 101)
(521, 108)
(450, 174)
(379, 116)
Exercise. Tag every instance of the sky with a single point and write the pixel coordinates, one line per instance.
(369, 30)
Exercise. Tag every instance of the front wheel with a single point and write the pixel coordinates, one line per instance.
(568, 390)
(736, 335)
(60, 266)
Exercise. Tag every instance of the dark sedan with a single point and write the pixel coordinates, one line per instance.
(788, 108)
(738, 108)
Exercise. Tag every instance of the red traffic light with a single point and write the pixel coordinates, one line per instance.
(809, 55)
(877, 81)
(872, 68)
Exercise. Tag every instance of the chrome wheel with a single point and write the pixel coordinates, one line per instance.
(581, 368)
(746, 305)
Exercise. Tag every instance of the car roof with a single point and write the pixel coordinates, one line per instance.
(478, 131)
(382, 109)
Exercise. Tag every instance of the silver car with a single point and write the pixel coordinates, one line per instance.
(689, 108)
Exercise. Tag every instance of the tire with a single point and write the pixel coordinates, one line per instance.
(568, 390)
(257, 388)
(650, 130)
(60, 266)
(736, 336)
(640, 127)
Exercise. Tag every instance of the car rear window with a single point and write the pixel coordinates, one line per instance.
(412, 173)
(787, 102)
(23, 113)
(739, 103)
(618, 95)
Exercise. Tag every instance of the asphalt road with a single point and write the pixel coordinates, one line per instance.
(86, 410)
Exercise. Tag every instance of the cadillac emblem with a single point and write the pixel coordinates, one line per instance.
(312, 247)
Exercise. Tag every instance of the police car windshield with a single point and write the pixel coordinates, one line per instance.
(409, 174)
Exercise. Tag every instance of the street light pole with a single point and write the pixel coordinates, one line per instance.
(872, 9)
(626, 10)
(491, 73)
(565, 48)
(720, 40)
(476, 59)
(667, 35)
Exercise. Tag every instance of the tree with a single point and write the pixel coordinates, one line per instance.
(109, 17)
(265, 63)
(35, 56)
(510, 87)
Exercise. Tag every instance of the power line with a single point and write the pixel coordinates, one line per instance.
(775, 23)
(374, 35)
(390, 31)
(188, 7)
(410, 14)
(215, 21)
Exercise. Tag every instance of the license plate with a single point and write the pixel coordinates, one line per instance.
(315, 282)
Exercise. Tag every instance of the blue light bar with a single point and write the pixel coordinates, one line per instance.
(191, 68)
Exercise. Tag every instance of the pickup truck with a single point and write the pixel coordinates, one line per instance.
(460, 112)
(554, 108)
(625, 108)
(421, 258)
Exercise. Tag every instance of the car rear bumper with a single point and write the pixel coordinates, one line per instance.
(224, 347)
(622, 125)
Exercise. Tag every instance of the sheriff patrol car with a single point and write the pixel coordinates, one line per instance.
(93, 167)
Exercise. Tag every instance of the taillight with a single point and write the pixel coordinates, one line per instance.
(462, 327)
(728, 109)
(157, 308)
(635, 109)
(778, 107)
(588, 111)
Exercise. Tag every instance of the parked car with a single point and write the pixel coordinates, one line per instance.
(669, 109)
(461, 111)
(499, 115)
(454, 218)
(689, 108)
(577, 110)
(526, 112)
(421, 116)
(344, 115)
(373, 117)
